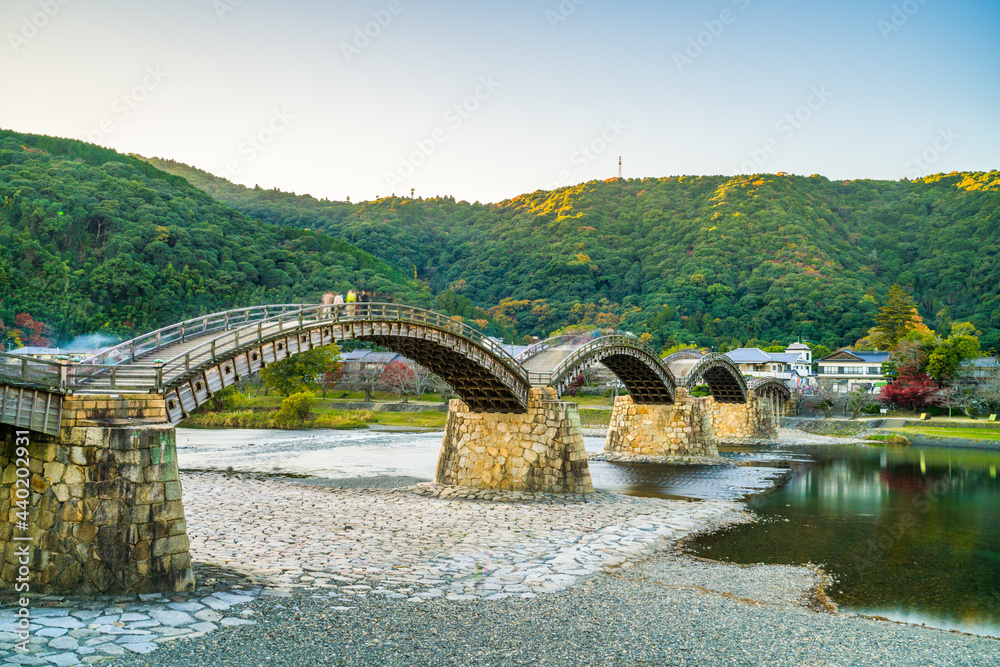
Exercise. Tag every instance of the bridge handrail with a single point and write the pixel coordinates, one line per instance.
(22, 368)
(561, 368)
(335, 314)
(137, 347)
(539, 347)
(118, 375)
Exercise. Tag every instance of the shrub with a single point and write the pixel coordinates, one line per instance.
(295, 409)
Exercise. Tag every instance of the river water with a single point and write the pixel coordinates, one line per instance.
(910, 534)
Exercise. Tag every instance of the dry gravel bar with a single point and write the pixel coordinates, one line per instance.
(428, 575)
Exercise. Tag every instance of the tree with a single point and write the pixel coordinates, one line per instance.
(301, 371)
(857, 399)
(893, 321)
(331, 378)
(366, 379)
(963, 344)
(821, 399)
(399, 379)
(912, 389)
(424, 381)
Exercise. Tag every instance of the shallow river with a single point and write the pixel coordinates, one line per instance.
(909, 534)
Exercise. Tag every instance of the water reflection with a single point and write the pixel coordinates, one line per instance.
(908, 533)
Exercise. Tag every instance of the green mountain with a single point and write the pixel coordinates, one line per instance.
(710, 260)
(94, 240)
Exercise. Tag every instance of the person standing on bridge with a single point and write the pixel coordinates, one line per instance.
(338, 302)
(328, 300)
(352, 298)
(363, 300)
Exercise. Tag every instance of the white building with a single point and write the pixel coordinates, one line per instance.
(794, 365)
(846, 369)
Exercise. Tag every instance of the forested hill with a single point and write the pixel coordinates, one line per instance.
(94, 240)
(709, 260)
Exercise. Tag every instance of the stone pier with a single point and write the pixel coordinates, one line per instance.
(538, 450)
(753, 420)
(681, 428)
(104, 511)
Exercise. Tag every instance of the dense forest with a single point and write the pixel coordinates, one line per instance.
(711, 260)
(95, 241)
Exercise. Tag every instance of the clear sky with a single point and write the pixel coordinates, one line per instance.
(487, 100)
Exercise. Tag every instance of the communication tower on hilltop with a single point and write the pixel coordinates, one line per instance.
(619, 167)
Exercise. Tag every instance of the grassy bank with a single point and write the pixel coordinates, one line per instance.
(953, 432)
(595, 417)
(262, 412)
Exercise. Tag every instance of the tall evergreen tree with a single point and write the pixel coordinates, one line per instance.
(895, 318)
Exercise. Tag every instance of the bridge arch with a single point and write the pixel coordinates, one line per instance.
(722, 376)
(772, 391)
(479, 370)
(642, 372)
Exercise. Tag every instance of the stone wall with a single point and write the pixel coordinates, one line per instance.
(105, 512)
(678, 429)
(752, 420)
(539, 450)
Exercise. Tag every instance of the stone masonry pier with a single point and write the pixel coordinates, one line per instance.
(753, 420)
(681, 428)
(104, 511)
(538, 450)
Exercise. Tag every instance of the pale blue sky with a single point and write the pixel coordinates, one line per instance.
(874, 84)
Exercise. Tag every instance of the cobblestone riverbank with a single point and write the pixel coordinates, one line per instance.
(412, 544)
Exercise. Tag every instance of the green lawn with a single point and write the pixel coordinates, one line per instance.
(432, 419)
(953, 432)
(594, 416)
(588, 401)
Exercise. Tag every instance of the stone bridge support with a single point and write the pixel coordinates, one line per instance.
(538, 450)
(753, 420)
(681, 428)
(104, 512)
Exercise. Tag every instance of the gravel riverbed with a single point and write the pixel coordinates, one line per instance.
(381, 571)
(667, 610)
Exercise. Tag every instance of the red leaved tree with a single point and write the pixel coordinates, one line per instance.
(912, 389)
(399, 379)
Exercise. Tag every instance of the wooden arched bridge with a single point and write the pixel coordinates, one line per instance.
(189, 361)
(97, 441)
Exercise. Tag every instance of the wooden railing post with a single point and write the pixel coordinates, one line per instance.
(158, 379)
(63, 374)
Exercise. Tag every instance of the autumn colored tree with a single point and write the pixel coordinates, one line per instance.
(912, 389)
(399, 379)
(330, 379)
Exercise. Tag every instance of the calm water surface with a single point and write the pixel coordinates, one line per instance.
(910, 534)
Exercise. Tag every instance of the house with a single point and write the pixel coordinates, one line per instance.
(794, 365)
(979, 371)
(359, 360)
(845, 369)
